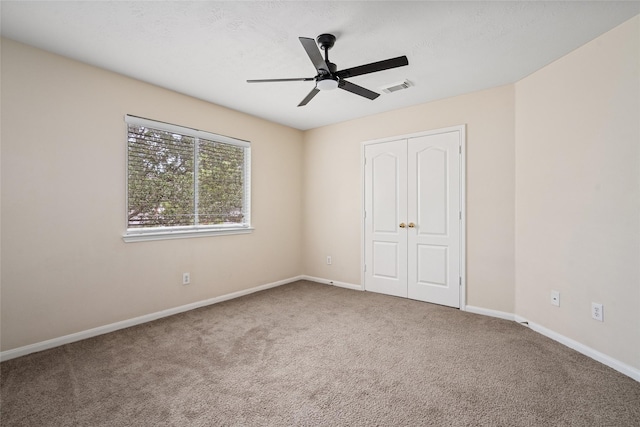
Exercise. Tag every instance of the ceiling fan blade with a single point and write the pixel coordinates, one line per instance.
(309, 97)
(312, 50)
(373, 67)
(358, 90)
(304, 79)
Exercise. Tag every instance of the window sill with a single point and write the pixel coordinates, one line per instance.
(145, 236)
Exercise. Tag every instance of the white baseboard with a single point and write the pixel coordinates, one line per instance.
(333, 282)
(619, 366)
(489, 312)
(56, 342)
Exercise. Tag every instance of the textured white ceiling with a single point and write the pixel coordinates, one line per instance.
(208, 49)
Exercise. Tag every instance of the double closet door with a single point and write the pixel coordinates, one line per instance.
(413, 219)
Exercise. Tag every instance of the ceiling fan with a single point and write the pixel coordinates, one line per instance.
(328, 78)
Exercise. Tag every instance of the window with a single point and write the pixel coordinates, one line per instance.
(184, 182)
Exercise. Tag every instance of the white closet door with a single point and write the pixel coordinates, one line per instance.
(434, 214)
(385, 218)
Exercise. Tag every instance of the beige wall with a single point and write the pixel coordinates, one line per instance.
(65, 267)
(553, 197)
(577, 193)
(332, 190)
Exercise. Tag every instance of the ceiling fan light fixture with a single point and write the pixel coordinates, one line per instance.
(328, 83)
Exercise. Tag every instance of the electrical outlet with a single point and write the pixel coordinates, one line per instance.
(329, 260)
(186, 278)
(555, 298)
(596, 312)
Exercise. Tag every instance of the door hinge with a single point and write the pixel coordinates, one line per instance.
(460, 149)
(365, 214)
(459, 281)
(460, 215)
(365, 267)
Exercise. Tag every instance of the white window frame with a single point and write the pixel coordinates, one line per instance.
(181, 232)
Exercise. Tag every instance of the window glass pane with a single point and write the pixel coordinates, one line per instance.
(160, 178)
(220, 183)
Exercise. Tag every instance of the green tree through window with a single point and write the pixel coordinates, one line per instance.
(181, 180)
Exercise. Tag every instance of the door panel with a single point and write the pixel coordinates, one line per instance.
(385, 209)
(385, 170)
(434, 206)
(385, 260)
(431, 190)
(432, 265)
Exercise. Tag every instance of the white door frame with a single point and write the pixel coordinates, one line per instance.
(463, 193)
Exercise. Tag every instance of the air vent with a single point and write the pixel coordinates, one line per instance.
(394, 87)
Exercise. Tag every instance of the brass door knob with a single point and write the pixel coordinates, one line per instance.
(411, 225)
(402, 225)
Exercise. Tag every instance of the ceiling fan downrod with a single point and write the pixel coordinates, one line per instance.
(327, 81)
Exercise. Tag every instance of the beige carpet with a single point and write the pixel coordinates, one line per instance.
(306, 354)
